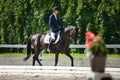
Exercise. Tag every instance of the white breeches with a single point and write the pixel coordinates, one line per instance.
(52, 35)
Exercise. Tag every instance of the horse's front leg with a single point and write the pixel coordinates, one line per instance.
(56, 58)
(68, 54)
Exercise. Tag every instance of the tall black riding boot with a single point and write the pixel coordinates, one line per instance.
(50, 45)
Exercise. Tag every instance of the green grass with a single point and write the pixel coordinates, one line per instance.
(12, 54)
(114, 55)
(75, 55)
(44, 54)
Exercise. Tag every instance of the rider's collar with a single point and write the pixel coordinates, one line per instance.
(55, 15)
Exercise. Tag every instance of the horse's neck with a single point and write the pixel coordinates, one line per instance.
(67, 33)
(63, 36)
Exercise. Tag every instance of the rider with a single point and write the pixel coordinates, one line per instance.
(55, 26)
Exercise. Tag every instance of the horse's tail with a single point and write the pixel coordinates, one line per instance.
(28, 49)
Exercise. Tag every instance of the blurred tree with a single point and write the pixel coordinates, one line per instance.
(21, 18)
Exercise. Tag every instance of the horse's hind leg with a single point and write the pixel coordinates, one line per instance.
(56, 58)
(39, 62)
(34, 58)
(38, 51)
(38, 59)
(68, 54)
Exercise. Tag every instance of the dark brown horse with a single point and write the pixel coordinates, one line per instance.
(37, 41)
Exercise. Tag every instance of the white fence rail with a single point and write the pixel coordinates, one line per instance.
(71, 46)
(12, 46)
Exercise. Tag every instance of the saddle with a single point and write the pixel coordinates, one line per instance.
(48, 38)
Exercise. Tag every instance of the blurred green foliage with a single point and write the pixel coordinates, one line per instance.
(21, 18)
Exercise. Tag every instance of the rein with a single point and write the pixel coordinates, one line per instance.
(72, 32)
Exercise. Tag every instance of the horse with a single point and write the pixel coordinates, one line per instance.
(62, 46)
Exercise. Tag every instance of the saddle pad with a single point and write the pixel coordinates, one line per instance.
(47, 38)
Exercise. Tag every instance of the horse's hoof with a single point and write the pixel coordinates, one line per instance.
(72, 65)
(40, 59)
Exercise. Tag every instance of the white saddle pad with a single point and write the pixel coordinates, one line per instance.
(47, 38)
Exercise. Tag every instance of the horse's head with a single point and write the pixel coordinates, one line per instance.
(72, 32)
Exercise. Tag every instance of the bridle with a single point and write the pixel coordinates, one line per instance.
(72, 32)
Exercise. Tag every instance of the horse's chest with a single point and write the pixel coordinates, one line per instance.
(61, 47)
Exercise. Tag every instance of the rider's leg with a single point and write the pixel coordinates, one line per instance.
(52, 35)
(51, 41)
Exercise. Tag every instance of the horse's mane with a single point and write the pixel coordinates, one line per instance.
(69, 27)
